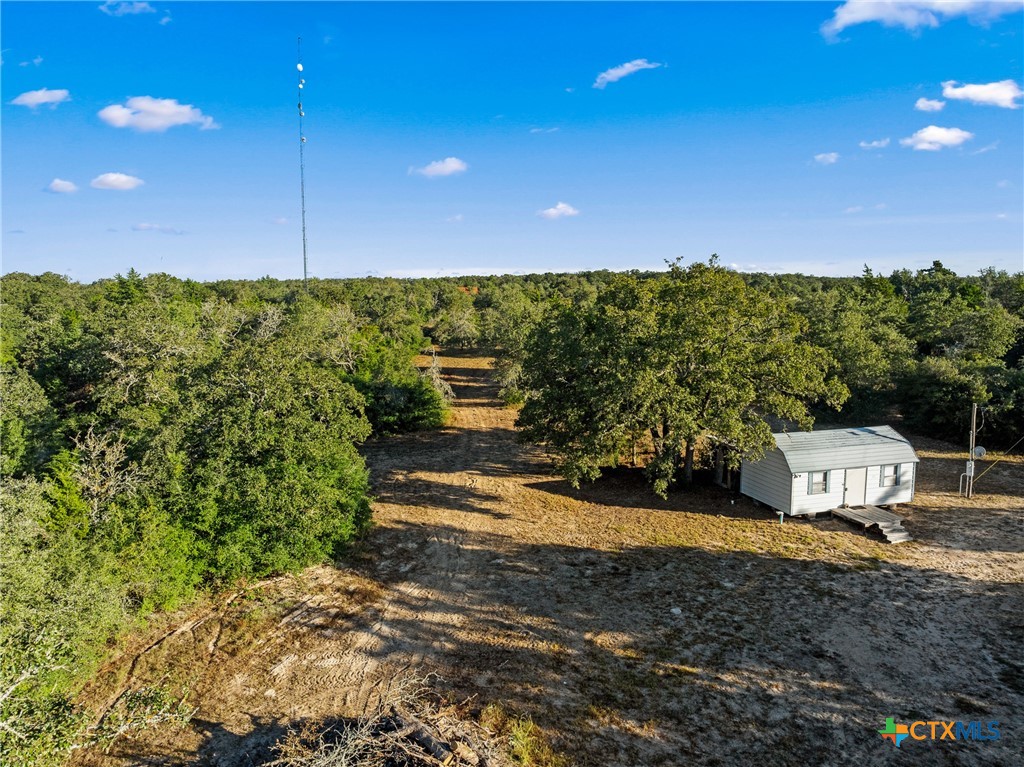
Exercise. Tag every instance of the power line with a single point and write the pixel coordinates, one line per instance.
(1005, 453)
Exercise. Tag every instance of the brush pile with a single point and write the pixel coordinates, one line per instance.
(409, 727)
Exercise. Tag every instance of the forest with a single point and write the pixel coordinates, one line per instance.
(163, 437)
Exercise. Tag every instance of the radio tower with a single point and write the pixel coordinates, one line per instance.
(302, 167)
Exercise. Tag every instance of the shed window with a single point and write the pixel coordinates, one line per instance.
(817, 483)
(890, 476)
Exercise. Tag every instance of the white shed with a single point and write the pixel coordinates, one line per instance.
(815, 471)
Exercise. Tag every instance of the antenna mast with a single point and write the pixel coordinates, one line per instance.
(302, 168)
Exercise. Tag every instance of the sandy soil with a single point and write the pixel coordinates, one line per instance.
(633, 631)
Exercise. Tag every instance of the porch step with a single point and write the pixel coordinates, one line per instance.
(890, 525)
(902, 536)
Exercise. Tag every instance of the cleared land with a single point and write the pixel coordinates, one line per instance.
(633, 631)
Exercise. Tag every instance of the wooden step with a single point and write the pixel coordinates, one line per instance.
(901, 537)
(888, 524)
(897, 528)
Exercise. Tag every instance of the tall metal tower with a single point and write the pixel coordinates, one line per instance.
(302, 166)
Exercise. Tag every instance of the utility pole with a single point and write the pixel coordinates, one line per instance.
(970, 457)
(302, 169)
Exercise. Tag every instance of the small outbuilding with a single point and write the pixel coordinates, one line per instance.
(816, 471)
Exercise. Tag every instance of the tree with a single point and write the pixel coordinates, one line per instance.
(455, 321)
(693, 355)
(272, 480)
(505, 324)
(963, 339)
(863, 327)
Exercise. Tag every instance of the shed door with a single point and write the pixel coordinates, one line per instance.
(856, 487)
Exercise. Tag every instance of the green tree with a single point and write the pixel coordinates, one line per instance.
(862, 326)
(27, 422)
(963, 339)
(693, 355)
(274, 481)
(455, 320)
(505, 323)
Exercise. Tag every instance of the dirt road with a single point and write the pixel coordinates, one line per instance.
(633, 631)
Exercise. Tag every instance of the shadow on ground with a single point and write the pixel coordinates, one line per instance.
(675, 655)
(648, 653)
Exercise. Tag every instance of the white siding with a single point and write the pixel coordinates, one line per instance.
(883, 496)
(768, 481)
(804, 503)
(780, 479)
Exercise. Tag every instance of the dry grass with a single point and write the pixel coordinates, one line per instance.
(408, 727)
(620, 628)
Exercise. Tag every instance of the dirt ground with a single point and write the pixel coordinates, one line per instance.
(633, 631)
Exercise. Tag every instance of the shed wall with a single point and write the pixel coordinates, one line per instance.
(810, 504)
(768, 481)
(882, 496)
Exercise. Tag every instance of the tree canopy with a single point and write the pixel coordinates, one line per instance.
(160, 436)
(672, 360)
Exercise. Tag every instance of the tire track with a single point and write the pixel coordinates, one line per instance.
(416, 618)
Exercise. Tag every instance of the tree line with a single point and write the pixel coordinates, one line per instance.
(161, 436)
(605, 363)
(705, 354)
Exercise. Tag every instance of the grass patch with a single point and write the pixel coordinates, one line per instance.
(526, 741)
(790, 540)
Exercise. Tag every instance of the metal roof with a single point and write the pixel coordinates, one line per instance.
(844, 448)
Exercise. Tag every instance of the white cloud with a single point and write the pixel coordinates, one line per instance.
(166, 20)
(929, 105)
(36, 62)
(561, 210)
(155, 228)
(861, 208)
(934, 138)
(881, 143)
(987, 148)
(745, 267)
(623, 70)
(147, 114)
(543, 130)
(913, 14)
(570, 90)
(462, 271)
(119, 181)
(446, 167)
(456, 219)
(1001, 94)
(112, 8)
(33, 99)
(827, 158)
(279, 220)
(1003, 183)
(60, 186)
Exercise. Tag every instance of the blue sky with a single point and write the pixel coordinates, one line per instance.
(477, 138)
